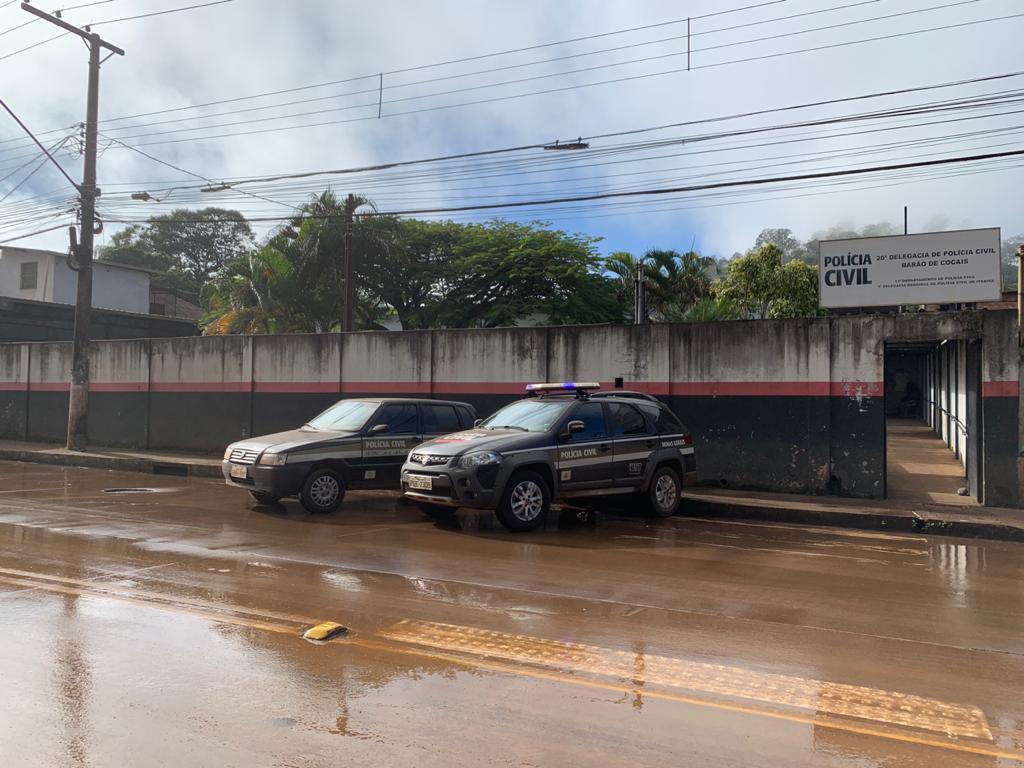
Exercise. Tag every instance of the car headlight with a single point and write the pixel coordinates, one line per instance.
(273, 459)
(227, 452)
(480, 459)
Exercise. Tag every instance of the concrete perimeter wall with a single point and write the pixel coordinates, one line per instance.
(794, 405)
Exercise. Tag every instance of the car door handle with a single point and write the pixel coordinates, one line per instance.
(604, 448)
(652, 443)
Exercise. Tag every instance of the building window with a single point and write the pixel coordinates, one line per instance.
(29, 275)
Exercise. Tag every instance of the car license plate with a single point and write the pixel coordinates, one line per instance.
(421, 482)
(239, 471)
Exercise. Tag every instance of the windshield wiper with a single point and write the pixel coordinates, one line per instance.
(509, 426)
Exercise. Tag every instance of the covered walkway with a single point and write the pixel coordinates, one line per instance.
(920, 467)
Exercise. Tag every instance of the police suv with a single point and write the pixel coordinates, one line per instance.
(559, 443)
(357, 443)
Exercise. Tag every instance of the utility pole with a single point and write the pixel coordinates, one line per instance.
(346, 266)
(78, 400)
(640, 297)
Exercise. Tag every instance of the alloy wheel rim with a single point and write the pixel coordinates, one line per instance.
(665, 492)
(324, 490)
(527, 501)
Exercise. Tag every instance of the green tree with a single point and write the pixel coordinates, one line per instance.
(674, 282)
(255, 293)
(760, 286)
(187, 247)
(505, 272)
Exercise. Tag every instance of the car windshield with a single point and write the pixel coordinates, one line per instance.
(344, 416)
(530, 415)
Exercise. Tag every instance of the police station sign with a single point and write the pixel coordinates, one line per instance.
(932, 268)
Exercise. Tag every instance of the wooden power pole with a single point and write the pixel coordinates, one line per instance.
(78, 401)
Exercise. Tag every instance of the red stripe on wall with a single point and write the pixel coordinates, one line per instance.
(297, 386)
(857, 388)
(119, 386)
(749, 388)
(13, 386)
(999, 389)
(386, 387)
(49, 386)
(479, 388)
(201, 386)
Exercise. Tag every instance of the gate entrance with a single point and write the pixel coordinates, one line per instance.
(933, 422)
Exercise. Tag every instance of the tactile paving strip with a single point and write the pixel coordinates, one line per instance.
(893, 708)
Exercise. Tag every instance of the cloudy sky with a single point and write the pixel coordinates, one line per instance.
(752, 58)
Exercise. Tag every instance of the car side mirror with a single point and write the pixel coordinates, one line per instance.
(478, 422)
(379, 429)
(573, 427)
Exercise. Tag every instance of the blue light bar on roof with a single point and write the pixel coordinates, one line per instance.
(565, 386)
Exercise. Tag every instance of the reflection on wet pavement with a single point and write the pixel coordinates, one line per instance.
(165, 629)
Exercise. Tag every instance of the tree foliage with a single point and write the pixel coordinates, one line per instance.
(187, 247)
(759, 285)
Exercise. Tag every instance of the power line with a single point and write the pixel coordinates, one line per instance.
(520, 148)
(159, 13)
(655, 192)
(38, 143)
(376, 89)
(563, 89)
(446, 63)
(501, 84)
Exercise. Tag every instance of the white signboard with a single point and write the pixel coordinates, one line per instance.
(933, 268)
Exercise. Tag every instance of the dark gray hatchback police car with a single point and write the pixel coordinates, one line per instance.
(357, 443)
(558, 443)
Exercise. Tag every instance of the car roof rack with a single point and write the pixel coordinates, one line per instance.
(581, 389)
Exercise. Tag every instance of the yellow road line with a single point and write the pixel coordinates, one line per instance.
(220, 618)
(390, 644)
(844, 700)
(683, 699)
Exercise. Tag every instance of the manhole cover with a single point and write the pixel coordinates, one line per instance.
(136, 490)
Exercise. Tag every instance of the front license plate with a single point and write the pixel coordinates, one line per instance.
(421, 482)
(239, 471)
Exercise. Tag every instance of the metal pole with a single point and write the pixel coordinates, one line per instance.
(349, 314)
(905, 232)
(78, 401)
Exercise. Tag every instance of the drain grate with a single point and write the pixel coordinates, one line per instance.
(134, 490)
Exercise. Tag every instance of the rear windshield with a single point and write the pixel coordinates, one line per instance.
(665, 422)
(529, 415)
(344, 416)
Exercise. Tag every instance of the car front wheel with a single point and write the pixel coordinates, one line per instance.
(525, 502)
(323, 491)
(664, 493)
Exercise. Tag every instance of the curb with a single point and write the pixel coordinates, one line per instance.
(918, 522)
(123, 463)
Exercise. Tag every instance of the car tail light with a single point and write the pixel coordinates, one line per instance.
(688, 439)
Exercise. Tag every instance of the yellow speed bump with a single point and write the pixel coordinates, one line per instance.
(327, 630)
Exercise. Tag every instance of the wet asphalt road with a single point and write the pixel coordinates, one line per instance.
(164, 629)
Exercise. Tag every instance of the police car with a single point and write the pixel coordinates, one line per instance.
(354, 443)
(559, 443)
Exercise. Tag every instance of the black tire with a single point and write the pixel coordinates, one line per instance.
(262, 497)
(435, 510)
(525, 502)
(664, 494)
(322, 491)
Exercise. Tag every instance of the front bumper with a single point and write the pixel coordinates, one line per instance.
(454, 486)
(285, 480)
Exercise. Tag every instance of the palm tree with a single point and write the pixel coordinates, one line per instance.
(251, 296)
(674, 282)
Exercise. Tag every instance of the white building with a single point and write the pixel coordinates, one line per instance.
(28, 273)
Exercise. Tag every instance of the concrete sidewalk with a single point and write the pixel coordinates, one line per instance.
(153, 462)
(894, 515)
(974, 522)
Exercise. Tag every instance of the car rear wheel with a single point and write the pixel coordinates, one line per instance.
(664, 494)
(262, 497)
(322, 491)
(525, 502)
